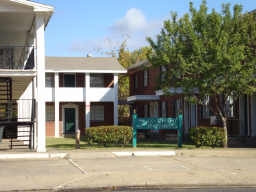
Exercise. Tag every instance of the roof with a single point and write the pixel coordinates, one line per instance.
(83, 64)
(37, 7)
(144, 63)
(25, 6)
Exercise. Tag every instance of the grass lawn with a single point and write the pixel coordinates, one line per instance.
(69, 143)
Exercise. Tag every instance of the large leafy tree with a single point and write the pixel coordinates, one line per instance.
(208, 54)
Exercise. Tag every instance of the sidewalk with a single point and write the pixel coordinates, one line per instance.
(90, 169)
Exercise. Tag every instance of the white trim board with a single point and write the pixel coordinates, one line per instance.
(85, 71)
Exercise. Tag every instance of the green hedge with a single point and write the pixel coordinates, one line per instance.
(109, 135)
(207, 136)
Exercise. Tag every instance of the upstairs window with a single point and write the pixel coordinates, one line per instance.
(69, 80)
(163, 72)
(97, 80)
(145, 78)
(135, 80)
(49, 80)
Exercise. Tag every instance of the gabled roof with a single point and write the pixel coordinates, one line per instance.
(83, 64)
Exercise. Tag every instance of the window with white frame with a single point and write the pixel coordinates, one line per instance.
(97, 112)
(163, 109)
(96, 80)
(145, 78)
(49, 113)
(49, 80)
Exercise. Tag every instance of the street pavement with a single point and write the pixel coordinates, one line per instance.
(92, 170)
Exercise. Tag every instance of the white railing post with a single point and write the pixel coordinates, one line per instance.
(40, 62)
(56, 105)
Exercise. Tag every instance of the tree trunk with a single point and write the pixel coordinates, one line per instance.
(224, 122)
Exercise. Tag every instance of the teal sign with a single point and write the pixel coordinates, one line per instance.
(157, 124)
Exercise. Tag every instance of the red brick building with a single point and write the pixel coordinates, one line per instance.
(148, 101)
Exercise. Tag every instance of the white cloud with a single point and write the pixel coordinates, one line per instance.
(133, 27)
(134, 20)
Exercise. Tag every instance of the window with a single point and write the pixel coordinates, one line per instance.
(49, 113)
(135, 80)
(177, 107)
(205, 108)
(230, 106)
(96, 80)
(164, 111)
(69, 80)
(97, 112)
(146, 110)
(145, 78)
(163, 73)
(153, 109)
(49, 80)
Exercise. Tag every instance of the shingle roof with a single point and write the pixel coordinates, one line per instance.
(65, 64)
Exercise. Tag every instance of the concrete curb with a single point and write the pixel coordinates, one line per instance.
(144, 153)
(32, 156)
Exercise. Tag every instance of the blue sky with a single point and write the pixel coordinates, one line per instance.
(80, 27)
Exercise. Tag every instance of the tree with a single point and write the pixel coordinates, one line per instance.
(208, 54)
(126, 59)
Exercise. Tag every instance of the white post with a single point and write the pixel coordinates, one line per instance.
(87, 101)
(40, 62)
(115, 99)
(56, 105)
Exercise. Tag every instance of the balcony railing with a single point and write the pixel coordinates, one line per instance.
(16, 57)
(17, 110)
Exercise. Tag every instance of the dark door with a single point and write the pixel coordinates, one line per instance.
(70, 120)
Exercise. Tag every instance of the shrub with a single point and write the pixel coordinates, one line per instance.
(109, 135)
(207, 136)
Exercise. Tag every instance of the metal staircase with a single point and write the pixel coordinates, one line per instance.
(20, 132)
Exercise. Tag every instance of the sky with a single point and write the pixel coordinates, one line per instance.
(98, 27)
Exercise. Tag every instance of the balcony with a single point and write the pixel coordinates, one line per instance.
(78, 94)
(16, 57)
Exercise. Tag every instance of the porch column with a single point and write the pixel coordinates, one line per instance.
(115, 99)
(40, 63)
(87, 100)
(56, 105)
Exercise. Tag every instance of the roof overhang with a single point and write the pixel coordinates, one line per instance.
(17, 20)
(134, 98)
(17, 73)
(175, 90)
